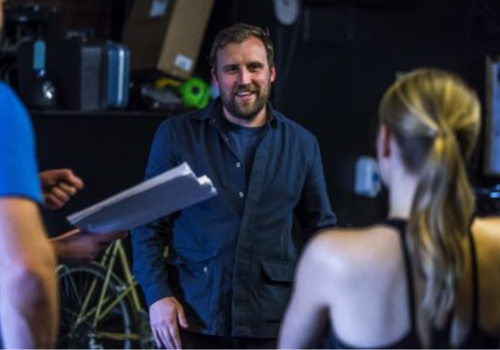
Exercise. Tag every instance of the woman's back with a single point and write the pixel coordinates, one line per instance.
(368, 293)
(370, 288)
(424, 281)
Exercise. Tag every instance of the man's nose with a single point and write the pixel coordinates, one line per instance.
(244, 77)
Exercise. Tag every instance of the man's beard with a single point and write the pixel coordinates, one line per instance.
(246, 111)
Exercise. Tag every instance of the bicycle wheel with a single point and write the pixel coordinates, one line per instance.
(82, 324)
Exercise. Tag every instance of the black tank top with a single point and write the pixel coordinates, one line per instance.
(440, 339)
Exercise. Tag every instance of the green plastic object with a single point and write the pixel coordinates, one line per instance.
(195, 93)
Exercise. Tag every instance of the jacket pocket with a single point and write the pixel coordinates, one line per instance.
(276, 288)
(191, 279)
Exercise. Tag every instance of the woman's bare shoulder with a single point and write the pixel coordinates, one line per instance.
(487, 226)
(352, 237)
(339, 247)
(486, 231)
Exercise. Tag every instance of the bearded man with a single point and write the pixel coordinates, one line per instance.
(227, 277)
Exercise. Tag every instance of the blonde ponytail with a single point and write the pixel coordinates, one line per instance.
(434, 117)
(439, 222)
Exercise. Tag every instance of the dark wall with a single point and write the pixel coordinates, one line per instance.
(108, 150)
(346, 57)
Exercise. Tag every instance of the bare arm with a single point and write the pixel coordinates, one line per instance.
(78, 247)
(307, 314)
(28, 288)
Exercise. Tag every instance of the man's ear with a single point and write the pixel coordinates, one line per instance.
(385, 140)
(214, 77)
(273, 73)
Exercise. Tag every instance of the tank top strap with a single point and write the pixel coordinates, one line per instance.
(400, 226)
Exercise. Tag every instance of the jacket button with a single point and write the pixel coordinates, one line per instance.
(241, 194)
(238, 164)
(205, 269)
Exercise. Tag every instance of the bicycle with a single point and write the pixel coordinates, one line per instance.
(99, 309)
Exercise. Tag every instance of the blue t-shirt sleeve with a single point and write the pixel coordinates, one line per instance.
(18, 164)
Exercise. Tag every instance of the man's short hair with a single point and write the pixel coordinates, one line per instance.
(238, 33)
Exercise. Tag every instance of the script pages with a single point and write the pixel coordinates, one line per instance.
(161, 195)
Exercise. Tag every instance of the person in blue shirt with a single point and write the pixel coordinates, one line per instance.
(28, 285)
(227, 275)
(428, 275)
(28, 288)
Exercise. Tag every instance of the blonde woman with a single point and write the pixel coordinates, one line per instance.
(420, 278)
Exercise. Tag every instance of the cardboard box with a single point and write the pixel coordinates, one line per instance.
(166, 35)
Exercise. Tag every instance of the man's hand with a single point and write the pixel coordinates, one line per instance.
(78, 247)
(164, 315)
(58, 185)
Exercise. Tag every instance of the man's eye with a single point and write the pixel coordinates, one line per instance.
(230, 70)
(254, 67)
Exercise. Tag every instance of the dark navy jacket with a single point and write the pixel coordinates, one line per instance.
(231, 259)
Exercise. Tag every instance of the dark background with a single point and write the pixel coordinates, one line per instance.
(333, 65)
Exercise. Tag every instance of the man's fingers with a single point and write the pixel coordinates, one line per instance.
(67, 188)
(167, 339)
(182, 318)
(52, 177)
(60, 194)
(58, 186)
(75, 181)
(156, 337)
(175, 336)
(67, 176)
(164, 315)
(53, 202)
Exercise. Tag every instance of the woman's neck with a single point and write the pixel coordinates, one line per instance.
(401, 194)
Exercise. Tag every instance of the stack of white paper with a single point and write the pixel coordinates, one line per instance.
(161, 195)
